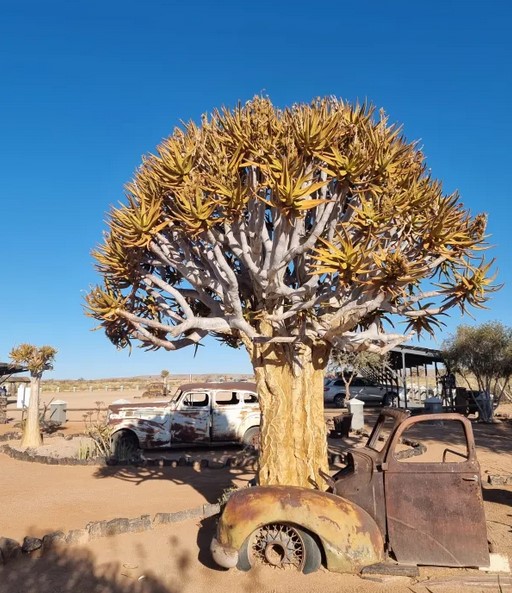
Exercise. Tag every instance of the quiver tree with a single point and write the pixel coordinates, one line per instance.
(286, 231)
(165, 377)
(37, 360)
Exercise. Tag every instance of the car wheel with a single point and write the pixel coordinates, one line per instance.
(251, 437)
(125, 445)
(282, 546)
(339, 400)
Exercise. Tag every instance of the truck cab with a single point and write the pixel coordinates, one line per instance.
(412, 494)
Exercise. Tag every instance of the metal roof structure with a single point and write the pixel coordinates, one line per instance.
(408, 357)
(8, 368)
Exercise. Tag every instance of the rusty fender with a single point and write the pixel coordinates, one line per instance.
(148, 432)
(349, 536)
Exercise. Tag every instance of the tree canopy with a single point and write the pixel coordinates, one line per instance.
(319, 218)
(482, 353)
(351, 363)
(37, 359)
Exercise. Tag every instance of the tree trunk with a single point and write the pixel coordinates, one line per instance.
(293, 439)
(32, 432)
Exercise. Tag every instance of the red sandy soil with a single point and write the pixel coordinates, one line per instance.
(36, 499)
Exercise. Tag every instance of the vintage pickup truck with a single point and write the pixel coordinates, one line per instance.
(396, 500)
(197, 414)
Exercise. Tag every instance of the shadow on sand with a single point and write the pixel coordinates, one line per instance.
(210, 483)
(497, 495)
(74, 571)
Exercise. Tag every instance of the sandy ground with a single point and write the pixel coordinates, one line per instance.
(36, 499)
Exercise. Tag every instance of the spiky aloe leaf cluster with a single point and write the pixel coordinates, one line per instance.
(37, 359)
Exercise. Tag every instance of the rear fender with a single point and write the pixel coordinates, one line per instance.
(250, 420)
(350, 538)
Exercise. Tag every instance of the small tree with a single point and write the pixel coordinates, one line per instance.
(482, 353)
(37, 360)
(349, 364)
(289, 232)
(165, 377)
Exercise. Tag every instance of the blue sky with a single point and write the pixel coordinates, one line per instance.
(87, 88)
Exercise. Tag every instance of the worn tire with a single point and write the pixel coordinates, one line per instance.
(251, 437)
(339, 400)
(125, 444)
(306, 551)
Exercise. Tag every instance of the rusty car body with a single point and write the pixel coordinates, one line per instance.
(387, 503)
(197, 414)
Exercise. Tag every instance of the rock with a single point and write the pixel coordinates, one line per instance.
(77, 536)
(52, 540)
(31, 544)
(142, 523)
(211, 509)
(160, 518)
(499, 480)
(10, 549)
(102, 528)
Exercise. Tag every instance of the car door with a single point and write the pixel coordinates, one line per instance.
(357, 388)
(227, 407)
(190, 421)
(370, 392)
(434, 502)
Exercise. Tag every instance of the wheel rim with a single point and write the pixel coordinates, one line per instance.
(278, 545)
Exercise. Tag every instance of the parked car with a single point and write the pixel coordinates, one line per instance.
(197, 414)
(364, 389)
(387, 504)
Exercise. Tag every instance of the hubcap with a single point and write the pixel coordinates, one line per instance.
(278, 545)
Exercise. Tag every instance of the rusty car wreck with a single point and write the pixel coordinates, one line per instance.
(382, 506)
(197, 414)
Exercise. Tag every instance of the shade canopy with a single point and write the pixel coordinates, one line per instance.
(8, 368)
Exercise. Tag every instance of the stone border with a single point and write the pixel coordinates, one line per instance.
(10, 436)
(184, 461)
(30, 455)
(10, 549)
(415, 448)
(198, 464)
